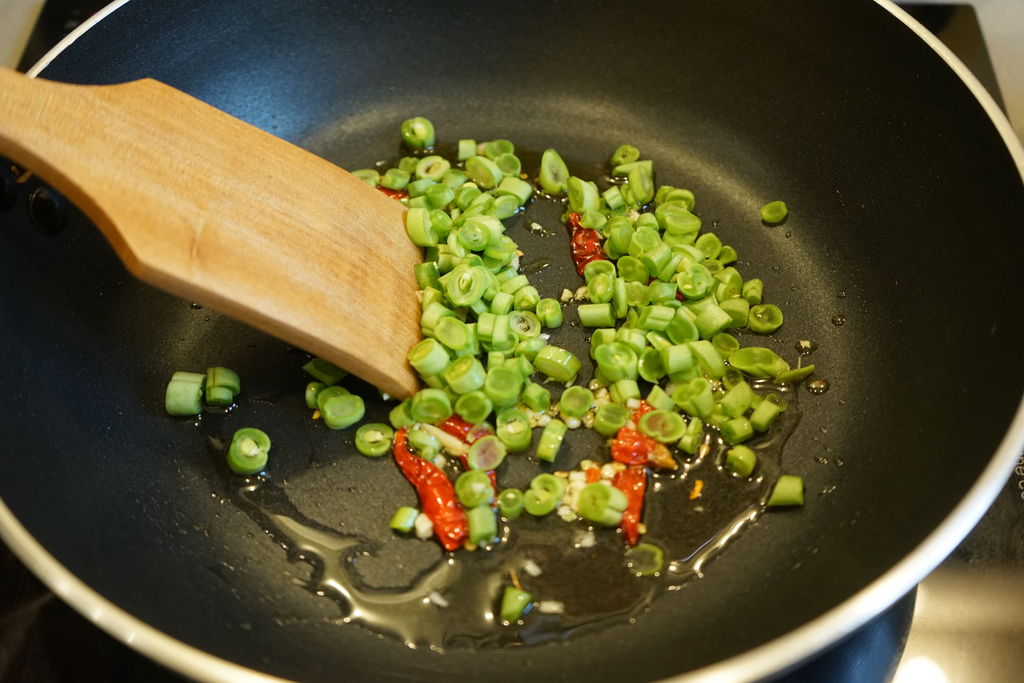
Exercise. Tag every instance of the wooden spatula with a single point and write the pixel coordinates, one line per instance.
(214, 210)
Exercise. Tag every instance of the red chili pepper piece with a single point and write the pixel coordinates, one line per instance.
(585, 243)
(456, 426)
(436, 494)
(633, 482)
(394, 194)
(636, 448)
(642, 410)
(632, 447)
(593, 474)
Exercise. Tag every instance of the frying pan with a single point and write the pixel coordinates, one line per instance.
(906, 200)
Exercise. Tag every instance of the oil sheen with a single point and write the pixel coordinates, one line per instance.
(452, 599)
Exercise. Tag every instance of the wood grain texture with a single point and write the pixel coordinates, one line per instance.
(214, 210)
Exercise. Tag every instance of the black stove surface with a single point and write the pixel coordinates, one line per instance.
(920, 638)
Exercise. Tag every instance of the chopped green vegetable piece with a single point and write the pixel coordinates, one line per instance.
(765, 413)
(764, 318)
(222, 385)
(610, 418)
(758, 361)
(645, 559)
(536, 397)
(514, 602)
(510, 503)
(339, 412)
(513, 428)
(554, 174)
(752, 291)
(549, 311)
(602, 504)
(474, 407)
(465, 374)
(551, 440)
(796, 374)
(428, 357)
(404, 519)
(433, 167)
(325, 371)
(774, 212)
(373, 439)
(502, 385)
(431, 406)
(467, 148)
(401, 415)
(737, 399)
(473, 488)
(665, 426)
(482, 523)
(583, 195)
(184, 393)
(486, 453)
(483, 172)
(557, 363)
(693, 436)
(695, 397)
(418, 133)
(248, 452)
(624, 154)
(736, 430)
(624, 390)
(313, 390)
(741, 460)
(788, 490)
(576, 401)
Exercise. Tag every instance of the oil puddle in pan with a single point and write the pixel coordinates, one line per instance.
(576, 574)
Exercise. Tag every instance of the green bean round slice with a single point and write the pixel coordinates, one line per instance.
(645, 559)
(248, 452)
(418, 133)
(774, 212)
(474, 488)
(373, 439)
(486, 453)
(510, 503)
(665, 426)
(764, 318)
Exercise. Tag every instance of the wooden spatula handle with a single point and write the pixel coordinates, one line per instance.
(214, 210)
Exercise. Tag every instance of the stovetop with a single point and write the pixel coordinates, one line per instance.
(965, 622)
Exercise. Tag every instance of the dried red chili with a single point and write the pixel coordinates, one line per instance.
(394, 194)
(436, 493)
(633, 482)
(585, 242)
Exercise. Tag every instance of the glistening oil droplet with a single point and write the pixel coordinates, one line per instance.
(839, 320)
(817, 386)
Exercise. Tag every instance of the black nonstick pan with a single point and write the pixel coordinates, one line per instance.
(899, 260)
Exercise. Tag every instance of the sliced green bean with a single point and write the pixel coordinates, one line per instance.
(554, 174)
(373, 439)
(249, 451)
(788, 491)
(551, 440)
(418, 133)
(774, 212)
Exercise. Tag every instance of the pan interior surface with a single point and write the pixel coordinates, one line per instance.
(901, 247)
